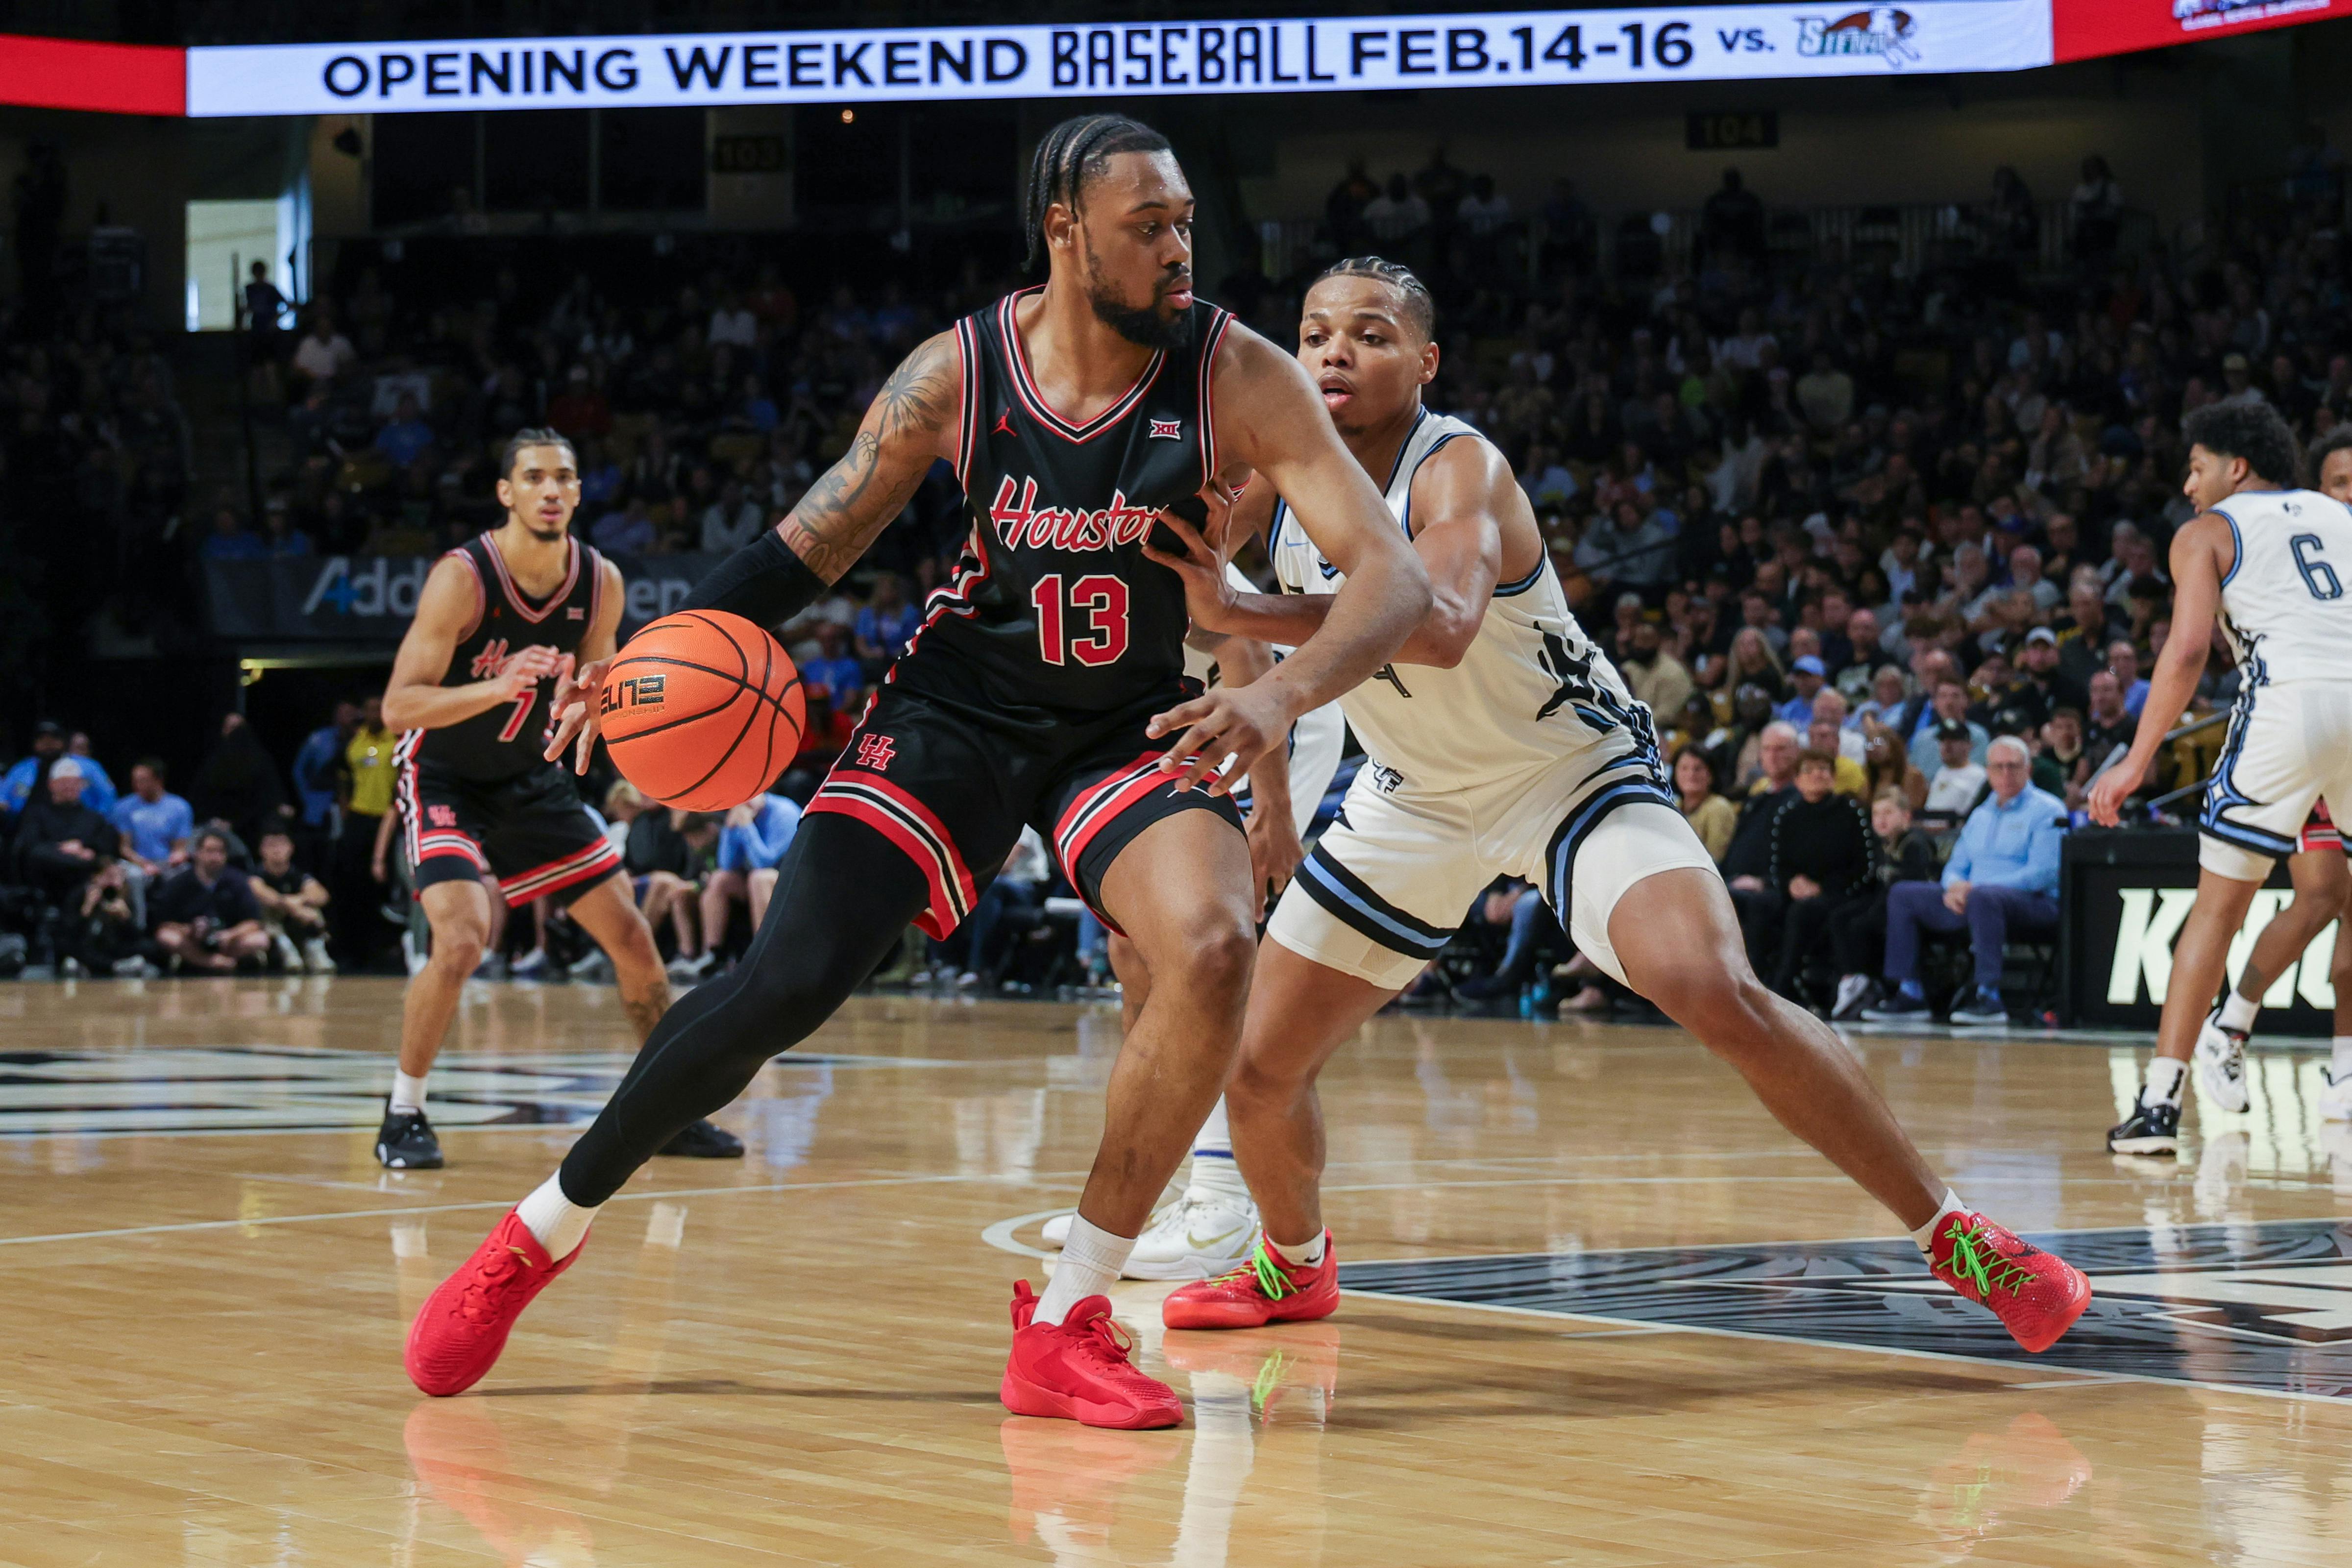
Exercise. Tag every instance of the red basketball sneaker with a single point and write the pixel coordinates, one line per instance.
(1264, 1289)
(2036, 1295)
(463, 1326)
(1078, 1369)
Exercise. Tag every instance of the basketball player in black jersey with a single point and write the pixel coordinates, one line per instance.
(500, 620)
(1045, 687)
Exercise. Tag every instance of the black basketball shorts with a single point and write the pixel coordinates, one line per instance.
(953, 784)
(529, 833)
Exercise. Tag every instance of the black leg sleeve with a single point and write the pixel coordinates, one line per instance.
(843, 894)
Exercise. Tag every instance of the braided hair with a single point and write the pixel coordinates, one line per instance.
(1421, 310)
(528, 437)
(1071, 153)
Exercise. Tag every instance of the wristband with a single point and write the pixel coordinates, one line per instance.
(765, 582)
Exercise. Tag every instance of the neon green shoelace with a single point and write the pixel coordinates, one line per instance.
(1974, 1259)
(1270, 1379)
(1269, 1275)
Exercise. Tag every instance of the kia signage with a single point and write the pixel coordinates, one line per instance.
(2124, 897)
(371, 598)
(1118, 59)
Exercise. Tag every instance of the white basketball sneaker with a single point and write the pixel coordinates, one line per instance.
(1198, 1236)
(2220, 1062)
(2334, 1099)
(1201, 1235)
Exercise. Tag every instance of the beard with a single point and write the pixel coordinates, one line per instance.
(1146, 328)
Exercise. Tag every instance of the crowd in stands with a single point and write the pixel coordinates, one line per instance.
(1846, 521)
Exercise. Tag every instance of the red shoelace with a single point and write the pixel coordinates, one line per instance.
(497, 1274)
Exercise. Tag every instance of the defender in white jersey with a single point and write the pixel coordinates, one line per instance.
(2270, 564)
(1501, 741)
(1514, 755)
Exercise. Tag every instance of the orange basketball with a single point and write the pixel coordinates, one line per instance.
(702, 710)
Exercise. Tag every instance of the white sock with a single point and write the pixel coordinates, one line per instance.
(560, 1224)
(1215, 1137)
(2340, 1068)
(1090, 1262)
(1305, 1255)
(408, 1093)
(2165, 1077)
(1925, 1236)
(2238, 1012)
(1212, 1175)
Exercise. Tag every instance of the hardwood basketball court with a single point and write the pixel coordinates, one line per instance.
(1602, 1310)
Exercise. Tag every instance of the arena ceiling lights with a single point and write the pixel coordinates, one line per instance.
(1502, 48)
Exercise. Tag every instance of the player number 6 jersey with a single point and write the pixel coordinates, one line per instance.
(2283, 603)
(1531, 689)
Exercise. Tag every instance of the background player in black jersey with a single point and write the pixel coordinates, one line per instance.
(1045, 688)
(499, 620)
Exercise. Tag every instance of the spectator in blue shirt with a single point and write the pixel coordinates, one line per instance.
(2002, 879)
(2123, 659)
(1951, 702)
(230, 540)
(751, 841)
(884, 624)
(97, 790)
(834, 672)
(407, 438)
(280, 539)
(1805, 677)
(29, 779)
(600, 476)
(155, 827)
(29, 773)
(630, 533)
(154, 822)
(315, 765)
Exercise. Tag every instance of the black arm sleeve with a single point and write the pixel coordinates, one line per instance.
(763, 582)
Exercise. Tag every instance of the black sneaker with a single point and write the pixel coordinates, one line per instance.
(2148, 1129)
(405, 1141)
(1485, 988)
(1429, 991)
(1982, 1007)
(701, 1141)
(1897, 1009)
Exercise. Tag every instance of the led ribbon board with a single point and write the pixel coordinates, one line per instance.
(1502, 48)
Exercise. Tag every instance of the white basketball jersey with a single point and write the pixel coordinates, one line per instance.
(2283, 603)
(1530, 690)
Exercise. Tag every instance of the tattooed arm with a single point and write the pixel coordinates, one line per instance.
(912, 420)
